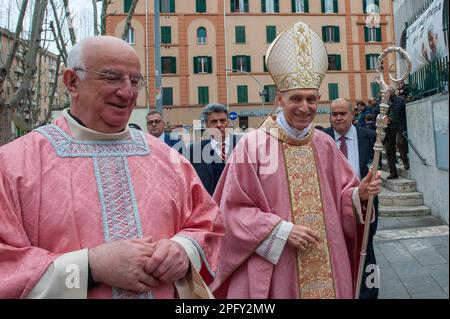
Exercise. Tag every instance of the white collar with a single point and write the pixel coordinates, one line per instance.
(292, 131)
(83, 133)
(214, 142)
(350, 135)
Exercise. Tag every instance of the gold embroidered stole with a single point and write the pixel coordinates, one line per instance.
(315, 277)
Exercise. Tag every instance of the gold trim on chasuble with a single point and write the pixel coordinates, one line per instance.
(314, 265)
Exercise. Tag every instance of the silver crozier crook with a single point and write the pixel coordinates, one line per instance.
(378, 147)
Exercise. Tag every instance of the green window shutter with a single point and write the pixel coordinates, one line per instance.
(324, 34)
(333, 91)
(276, 6)
(264, 64)
(203, 95)
(293, 6)
(375, 89)
(377, 3)
(271, 33)
(366, 34)
(232, 6)
(172, 6)
(195, 65)
(335, 6)
(338, 62)
(379, 39)
(248, 65)
(365, 6)
(337, 36)
(263, 6)
(209, 61)
(200, 6)
(167, 98)
(239, 34)
(367, 62)
(242, 94)
(173, 64)
(245, 5)
(323, 6)
(166, 35)
(234, 62)
(126, 5)
(306, 5)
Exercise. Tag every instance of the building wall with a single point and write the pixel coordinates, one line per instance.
(354, 80)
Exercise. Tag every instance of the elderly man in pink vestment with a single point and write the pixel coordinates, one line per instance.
(290, 199)
(90, 208)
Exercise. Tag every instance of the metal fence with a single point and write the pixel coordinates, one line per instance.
(429, 80)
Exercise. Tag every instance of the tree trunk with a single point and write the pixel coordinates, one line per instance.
(105, 4)
(128, 20)
(94, 7)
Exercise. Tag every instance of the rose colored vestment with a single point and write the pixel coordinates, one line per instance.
(254, 196)
(59, 195)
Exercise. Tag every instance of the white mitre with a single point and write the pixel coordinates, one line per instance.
(297, 58)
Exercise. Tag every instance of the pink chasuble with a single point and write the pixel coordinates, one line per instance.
(254, 195)
(59, 194)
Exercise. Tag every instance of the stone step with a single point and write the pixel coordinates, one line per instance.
(399, 185)
(389, 198)
(403, 211)
(400, 169)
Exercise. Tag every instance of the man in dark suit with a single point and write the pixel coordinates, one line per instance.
(155, 126)
(357, 145)
(209, 155)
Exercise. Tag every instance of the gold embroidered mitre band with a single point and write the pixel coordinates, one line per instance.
(297, 58)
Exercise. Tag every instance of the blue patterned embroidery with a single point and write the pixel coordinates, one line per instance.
(120, 215)
(66, 146)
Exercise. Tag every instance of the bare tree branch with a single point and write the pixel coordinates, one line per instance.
(128, 20)
(58, 38)
(105, 4)
(94, 6)
(73, 38)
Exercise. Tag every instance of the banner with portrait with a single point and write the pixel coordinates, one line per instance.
(425, 39)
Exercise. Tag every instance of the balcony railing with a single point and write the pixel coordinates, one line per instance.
(430, 79)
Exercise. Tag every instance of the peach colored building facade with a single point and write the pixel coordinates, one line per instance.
(233, 34)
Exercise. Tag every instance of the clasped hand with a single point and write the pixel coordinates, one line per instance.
(138, 264)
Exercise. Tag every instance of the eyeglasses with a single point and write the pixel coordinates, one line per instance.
(116, 79)
(156, 122)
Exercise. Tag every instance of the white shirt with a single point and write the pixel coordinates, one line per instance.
(217, 147)
(352, 146)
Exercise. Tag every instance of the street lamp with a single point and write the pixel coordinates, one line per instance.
(262, 92)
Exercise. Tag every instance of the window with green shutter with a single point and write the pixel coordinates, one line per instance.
(372, 34)
(126, 5)
(242, 63)
(333, 91)
(269, 93)
(331, 34)
(371, 61)
(203, 95)
(375, 89)
(271, 33)
(329, 6)
(239, 34)
(166, 35)
(200, 6)
(270, 6)
(239, 5)
(201, 35)
(168, 65)
(202, 64)
(167, 96)
(334, 62)
(167, 6)
(371, 6)
(242, 91)
(300, 6)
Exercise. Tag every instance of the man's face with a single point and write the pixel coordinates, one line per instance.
(219, 121)
(299, 106)
(341, 117)
(104, 105)
(155, 125)
(432, 41)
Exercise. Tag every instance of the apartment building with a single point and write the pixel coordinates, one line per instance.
(213, 50)
(42, 83)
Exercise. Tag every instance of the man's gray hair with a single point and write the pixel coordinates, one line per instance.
(343, 99)
(213, 108)
(154, 113)
(75, 58)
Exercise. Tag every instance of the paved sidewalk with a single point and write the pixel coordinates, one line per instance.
(412, 254)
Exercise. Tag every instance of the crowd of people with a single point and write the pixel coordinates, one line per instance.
(92, 207)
